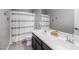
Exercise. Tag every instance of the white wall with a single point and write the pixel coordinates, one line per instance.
(4, 29)
(37, 18)
(62, 19)
(76, 21)
(76, 17)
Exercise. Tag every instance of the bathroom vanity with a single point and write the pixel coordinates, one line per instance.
(43, 41)
(38, 44)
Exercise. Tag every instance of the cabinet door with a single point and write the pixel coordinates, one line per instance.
(34, 44)
(38, 47)
(4, 30)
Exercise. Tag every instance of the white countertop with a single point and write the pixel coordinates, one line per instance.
(55, 44)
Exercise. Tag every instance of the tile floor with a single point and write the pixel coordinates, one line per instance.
(19, 46)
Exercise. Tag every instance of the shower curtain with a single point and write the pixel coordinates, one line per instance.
(21, 26)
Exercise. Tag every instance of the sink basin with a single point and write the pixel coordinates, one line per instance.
(54, 33)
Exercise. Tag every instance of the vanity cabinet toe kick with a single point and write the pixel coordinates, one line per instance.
(38, 44)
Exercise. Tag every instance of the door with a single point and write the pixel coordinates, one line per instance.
(4, 30)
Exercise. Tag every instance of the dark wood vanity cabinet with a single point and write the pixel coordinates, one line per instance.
(37, 44)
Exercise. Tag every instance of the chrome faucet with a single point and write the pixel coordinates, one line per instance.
(70, 39)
